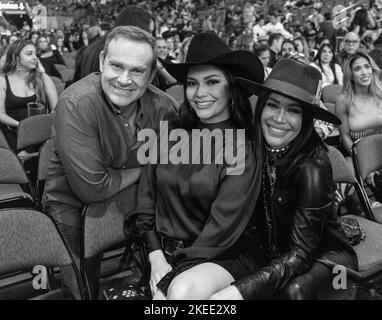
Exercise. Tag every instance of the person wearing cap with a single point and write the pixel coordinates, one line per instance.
(294, 234)
(191, 215)
(95, 132)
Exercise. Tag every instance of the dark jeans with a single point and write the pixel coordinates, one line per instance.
(71, 233)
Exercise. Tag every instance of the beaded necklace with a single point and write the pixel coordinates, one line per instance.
(269, 169)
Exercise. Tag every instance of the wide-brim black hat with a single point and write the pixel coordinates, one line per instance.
(208, 48)
(295, 80)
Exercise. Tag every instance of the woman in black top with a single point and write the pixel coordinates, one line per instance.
(191, 214)
(48, 57)
(294, 236)
(22, 81)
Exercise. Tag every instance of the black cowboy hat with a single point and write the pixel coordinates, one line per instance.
(208, 48)
(295, 80)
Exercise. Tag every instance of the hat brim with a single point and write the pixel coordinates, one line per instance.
(288, 90)
(243, 64)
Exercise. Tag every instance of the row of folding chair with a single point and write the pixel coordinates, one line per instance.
(31, 243)
(369, 251)
(21, 180)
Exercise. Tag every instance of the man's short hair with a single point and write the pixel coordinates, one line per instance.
(134, 16)
(274, 37)
(134, 34)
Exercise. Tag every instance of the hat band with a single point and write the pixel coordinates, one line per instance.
(291, 90)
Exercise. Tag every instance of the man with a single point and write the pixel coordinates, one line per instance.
(245, 40)
(163, 80)
(88, 61)
(95, 134)
(350, 46)
(326, 29)
(275, 41)
(275, 26)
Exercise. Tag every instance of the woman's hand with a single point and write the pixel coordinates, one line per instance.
(229, 293)
(159, 268)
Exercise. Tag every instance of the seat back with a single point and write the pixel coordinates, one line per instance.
(11, 170)
(367, 155)
(60, 67)
(102, 226)
(29, 238)
(66, 74)
(331, 92)
(34, 130)
(342, 172)
(45, 154)
(3, 140)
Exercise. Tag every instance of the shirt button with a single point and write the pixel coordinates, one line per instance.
(279, 199)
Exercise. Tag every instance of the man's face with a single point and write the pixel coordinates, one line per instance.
(162, 48)
(351, 43)
(126, 70)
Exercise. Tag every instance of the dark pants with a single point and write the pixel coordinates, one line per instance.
(315, 284)
(71, 233)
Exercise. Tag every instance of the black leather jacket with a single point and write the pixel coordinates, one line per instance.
(305, 228)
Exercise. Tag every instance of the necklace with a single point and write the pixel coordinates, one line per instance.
(277, 151)
(271, 175)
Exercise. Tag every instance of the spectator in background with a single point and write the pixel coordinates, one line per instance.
(275, 26)
(275, 41)
(262, 52)
(326, 29)
(258, 30)
(288, 48)
(350, 46)
(49, 57)
(325, 62)
(359, 106)
(302, 47)
(4, 40)
(245, 39)
(22, 81)
(33, 37)
(60, 46)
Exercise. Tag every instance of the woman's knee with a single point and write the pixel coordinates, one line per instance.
(299, 289)
(182, 289)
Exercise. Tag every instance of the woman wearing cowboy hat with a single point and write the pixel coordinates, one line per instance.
(191, 215)
(294, 234)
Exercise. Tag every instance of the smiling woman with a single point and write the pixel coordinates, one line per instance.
(192, 215)
(359, 106)
(294, 229)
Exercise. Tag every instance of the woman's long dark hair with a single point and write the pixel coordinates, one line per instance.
(240, 110)
(305, 144)
(34, 79)
(332, 62)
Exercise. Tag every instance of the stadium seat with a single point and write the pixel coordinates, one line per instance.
(3, 141)
(369, 251)
(29, 239)
(367, 158)
(12, 179)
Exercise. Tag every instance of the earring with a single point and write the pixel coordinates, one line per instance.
(19, 67)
